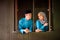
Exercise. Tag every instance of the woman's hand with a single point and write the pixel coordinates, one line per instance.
(45, 24)
(38, 30)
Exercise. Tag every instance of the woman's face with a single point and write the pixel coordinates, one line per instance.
(41, 17)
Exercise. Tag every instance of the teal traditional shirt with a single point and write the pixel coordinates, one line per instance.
(40, 26)
(23, 24)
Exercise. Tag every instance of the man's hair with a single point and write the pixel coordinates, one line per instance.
(27, 11)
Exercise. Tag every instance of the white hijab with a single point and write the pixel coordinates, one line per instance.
(45, 18)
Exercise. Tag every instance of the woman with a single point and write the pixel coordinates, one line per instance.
(41, 23)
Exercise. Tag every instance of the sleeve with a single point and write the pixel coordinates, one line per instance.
(31, 27)
(37, 25)
(42, 27)
(20, 26)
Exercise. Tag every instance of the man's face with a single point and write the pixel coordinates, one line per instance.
(28, 16)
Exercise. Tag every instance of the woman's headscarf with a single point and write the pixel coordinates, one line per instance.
(45, 18)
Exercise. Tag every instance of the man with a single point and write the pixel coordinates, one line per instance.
(25, 24)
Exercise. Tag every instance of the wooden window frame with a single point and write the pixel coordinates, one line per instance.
(15, 15)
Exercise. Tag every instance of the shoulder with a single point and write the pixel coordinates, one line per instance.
(30, 21)
(37, 21)
(22, 19)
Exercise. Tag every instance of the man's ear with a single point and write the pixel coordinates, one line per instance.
(25, 14)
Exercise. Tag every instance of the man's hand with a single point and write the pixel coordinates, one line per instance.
(26, 30)
(38, 30)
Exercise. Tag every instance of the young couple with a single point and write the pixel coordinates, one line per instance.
(26, 24)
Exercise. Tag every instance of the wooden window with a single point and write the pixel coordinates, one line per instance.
(35, 6)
